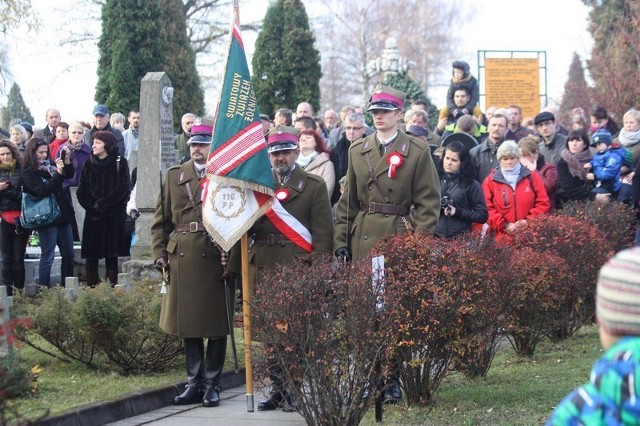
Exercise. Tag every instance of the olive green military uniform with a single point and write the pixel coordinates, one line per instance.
(308, 202)
(195, 303)
(361, 220)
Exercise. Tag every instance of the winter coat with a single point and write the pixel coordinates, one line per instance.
(468, 82)
(552, 151)
(571, 187)
(470, 206)
(40, 183)
(483, 160)
(79, 156)
(340, 158)
(506, 206)
(415, 184)
(195, 304)
(308, 201)
(11, 198)
(322, 166)
(606, 168)
(103, 192)
(610, 397)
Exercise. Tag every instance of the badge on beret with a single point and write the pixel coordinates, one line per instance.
(394, 160)
(282, 195)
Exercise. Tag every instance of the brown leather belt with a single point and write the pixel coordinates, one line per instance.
(384, 208)
(271, 239)
(189, 227)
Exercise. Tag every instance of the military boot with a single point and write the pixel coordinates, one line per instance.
(216, 352)
(194, 354)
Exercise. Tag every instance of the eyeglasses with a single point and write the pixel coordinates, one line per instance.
(354, 128)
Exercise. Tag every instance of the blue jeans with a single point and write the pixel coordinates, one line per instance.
(50, 236)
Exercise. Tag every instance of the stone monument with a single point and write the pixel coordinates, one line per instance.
(156, 153)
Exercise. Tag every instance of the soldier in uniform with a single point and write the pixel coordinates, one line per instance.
(305, 197)
(388, 173)
(195, 306)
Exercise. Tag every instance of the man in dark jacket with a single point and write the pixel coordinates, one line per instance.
(101, 122)
(354, 127)
(48, 132)
(483, 156)
(195, 306)
(553, 142)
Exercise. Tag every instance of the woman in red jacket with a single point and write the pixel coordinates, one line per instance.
(513, 194)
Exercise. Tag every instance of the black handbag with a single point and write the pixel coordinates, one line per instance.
(39, 212)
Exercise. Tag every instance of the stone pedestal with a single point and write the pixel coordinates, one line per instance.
(156, 153)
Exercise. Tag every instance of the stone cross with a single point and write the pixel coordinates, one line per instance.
(156, 148)
(6, 302)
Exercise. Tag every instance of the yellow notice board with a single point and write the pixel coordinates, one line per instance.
(511, 81)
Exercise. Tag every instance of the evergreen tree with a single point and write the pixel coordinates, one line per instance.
(286, 65)
(576, 91)
(141, 37)
(404, 83)
(16, 110)
(615, 59)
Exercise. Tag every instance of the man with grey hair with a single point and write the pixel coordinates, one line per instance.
(101, 122)
(330, 119)
(420, 118)
(48, 132)
(181, 140)
(283, 117)
(354, 127)
(338, 132)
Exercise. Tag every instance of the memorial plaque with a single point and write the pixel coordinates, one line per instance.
(511, 81)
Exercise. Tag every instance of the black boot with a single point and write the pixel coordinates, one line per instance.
(112, 277)
(276, 396)
(18, 278)
(91, 272)
(216, 352)
(194, 354)
(289, 405)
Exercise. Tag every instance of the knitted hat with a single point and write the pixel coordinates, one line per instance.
(618, 294)
(601, 136)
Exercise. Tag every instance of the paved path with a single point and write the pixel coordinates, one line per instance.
(231, 412)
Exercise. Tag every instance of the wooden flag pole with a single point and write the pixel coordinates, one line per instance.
(246, 316)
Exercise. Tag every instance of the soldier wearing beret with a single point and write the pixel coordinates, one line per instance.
(305, 197)
(388, 173)
(195, 306)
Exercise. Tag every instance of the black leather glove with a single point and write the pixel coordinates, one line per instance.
(343, 253)
(162, 264)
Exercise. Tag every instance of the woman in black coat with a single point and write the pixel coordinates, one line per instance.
(13, 238)
(462, 199)
(40, 179)
(572, 176)
(103, 192)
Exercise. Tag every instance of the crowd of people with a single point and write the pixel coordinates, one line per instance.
(342, 185)
(91, 159)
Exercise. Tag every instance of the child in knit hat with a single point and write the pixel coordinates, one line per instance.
(461, 78)
(612, 395)
(606, 164)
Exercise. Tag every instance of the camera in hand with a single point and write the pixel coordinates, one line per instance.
(63, 154)
(445, 201)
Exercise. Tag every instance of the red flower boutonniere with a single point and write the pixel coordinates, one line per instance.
(394, 160)
(282, 195)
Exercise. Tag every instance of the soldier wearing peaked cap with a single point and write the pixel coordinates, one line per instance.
(195, 306)
(304, 196)
(388, 173)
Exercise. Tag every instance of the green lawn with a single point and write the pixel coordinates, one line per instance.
(516, 391)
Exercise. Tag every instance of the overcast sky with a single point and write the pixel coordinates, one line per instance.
(53, 76)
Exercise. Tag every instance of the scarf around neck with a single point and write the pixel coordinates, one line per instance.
(629, 138)
(11, 167)
(576, 162)
(511, 175)
(304, 160)
(46, 166)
